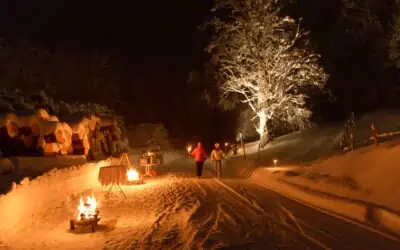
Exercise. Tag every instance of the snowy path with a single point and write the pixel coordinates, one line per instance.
(327, 230)
(175, 211)
(196, 214)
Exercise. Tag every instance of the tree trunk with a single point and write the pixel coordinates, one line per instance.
(262, 130)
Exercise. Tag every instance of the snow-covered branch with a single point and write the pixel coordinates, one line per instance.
(264, 58)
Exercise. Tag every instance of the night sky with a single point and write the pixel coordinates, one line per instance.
(149, 31)
(157, 42)
(158, 45)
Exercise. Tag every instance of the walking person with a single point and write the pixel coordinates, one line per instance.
(217, 154)
(199, 155)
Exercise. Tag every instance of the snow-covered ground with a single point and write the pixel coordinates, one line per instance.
(311, 162)
(14, 169)
(176, 211)
(370, 174)
(172, 211)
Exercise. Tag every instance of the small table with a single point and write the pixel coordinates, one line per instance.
(113, 175)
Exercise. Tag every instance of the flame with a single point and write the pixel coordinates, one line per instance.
(87, 210)
(132, 175)
(189, 148)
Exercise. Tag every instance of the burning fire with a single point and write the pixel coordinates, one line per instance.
(87, 210)
(132, 174)
(189, 149)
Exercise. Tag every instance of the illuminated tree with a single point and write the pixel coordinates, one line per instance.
(265, 61)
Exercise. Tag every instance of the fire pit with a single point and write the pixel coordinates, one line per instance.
(133, 177)
(88, 214)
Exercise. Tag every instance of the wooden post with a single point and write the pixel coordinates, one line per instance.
(375, 135)
(351, 140)
(244, 150)
(125, 157)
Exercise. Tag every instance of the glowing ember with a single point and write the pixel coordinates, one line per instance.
(132, 174)
(87, 210)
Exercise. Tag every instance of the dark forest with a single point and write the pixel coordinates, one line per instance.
(148, 61)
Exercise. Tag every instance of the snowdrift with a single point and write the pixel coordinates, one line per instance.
(29, 198)
(370, 174)
(44, 164)
(14, 169)
(361, 185)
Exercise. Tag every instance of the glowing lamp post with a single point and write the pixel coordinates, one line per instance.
(275, 161)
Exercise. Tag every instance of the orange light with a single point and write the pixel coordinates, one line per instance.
(132, 174)
(87, 210)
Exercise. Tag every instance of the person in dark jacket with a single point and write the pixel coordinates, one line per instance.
(199, 155)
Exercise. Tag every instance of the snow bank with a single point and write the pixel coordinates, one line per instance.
(371, 174)
(267, 177)
(43, 164)
(334, 200)
(26, 199)
(362, 184)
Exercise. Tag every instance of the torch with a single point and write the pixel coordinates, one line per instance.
(226, 147)
(275, 161)
(189, 149)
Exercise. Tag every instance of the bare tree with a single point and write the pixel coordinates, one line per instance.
(264, 59)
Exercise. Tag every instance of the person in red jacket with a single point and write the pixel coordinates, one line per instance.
(199, 155)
